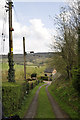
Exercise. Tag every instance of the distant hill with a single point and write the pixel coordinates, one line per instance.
(35, 58)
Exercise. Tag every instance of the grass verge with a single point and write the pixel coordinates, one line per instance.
(65, 95)
(44, 107)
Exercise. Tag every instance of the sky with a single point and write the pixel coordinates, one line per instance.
(32, 20)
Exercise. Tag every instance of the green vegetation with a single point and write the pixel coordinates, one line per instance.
(12, 95)
(44, 107)
(76, 79)
(66, 84)
(19, 72)
(44, 78)
(11, 71)
(15, 98)
(67, 45)
(18, 105)
(36, 59)
(66, 96)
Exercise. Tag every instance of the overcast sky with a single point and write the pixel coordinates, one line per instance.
(32, 20)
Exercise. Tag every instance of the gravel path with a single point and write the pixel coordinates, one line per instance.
(57, 110)
(33, 107)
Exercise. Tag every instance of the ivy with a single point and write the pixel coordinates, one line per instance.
(11, 71)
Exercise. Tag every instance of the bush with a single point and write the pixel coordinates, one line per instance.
(38, 81)
(35, 83)
(41, 81)
(29, 79)
(34, 75)
(39, 77)
(44, 78)
(45, 74)
(27, 87)
(31, 85)
(76, 79)
(12, 97)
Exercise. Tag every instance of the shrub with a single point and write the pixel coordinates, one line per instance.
(27, 87)
(39, 77)
(76, 79)
(12, 97)
(45, 74)
(35, 83)
(44, 78)
(31, 85)
(29, 79)
(34, 75)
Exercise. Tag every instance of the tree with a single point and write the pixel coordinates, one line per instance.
(66, 40)
(76, 73)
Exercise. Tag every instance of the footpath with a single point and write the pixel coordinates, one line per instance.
(33, 106)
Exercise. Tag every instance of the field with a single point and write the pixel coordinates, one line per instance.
(19, 71)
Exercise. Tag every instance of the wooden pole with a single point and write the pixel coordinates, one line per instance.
(11, 71)
(24, 58)
(10, 29)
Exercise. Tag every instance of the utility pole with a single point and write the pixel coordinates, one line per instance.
(10, 29)
(11, 71)
(24, 58)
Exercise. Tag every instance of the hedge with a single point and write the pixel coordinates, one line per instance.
(13, 95)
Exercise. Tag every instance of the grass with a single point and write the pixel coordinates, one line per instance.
(27, 101)
(19, 72)
(44, 107)
(66, 96)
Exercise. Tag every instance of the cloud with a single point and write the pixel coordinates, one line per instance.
(38, 30)
(37, 36)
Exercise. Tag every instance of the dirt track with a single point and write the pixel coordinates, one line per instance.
(56, 109)
(33, 107)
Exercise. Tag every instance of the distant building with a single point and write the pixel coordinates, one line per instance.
(54, 72)
(50, 72)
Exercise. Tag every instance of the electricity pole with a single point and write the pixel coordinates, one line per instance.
(24, 58)
(11, 71)
(10, 29)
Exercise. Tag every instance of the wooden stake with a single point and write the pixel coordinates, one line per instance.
(24, 58)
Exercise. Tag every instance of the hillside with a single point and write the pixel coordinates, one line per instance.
(35, 58)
